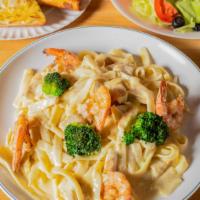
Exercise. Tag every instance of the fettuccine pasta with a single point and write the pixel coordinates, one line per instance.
(43, 166)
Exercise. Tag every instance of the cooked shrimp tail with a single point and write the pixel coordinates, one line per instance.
(21, 136)
(172, 112)
(98, 107)
(116, 186)
(66, 60)
(161, 101)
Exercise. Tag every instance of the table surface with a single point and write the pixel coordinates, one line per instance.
(102, 12)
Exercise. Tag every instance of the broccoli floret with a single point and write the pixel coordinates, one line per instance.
(54, 84)
(128, 138)
(81, 139)
(148, 127)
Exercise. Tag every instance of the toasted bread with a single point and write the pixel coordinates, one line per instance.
(21, 13)
(68, 4)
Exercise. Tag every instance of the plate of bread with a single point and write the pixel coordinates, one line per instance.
(21, 19)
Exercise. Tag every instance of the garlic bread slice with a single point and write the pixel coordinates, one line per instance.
(21, 13)
(68, 4)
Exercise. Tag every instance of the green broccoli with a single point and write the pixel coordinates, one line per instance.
(81, 139)
(148, 127)
(54, 84)
(128, 138)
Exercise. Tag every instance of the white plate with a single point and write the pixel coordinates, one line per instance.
(56, 19)
(123, 6)
(104, 39)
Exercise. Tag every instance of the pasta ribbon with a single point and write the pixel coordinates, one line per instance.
(47, 171)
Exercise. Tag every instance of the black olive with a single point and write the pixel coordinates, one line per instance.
(178, 21)
(197, 27)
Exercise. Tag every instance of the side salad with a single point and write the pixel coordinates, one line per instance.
(181, 15)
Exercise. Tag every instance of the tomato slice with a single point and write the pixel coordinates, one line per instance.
(165, 10)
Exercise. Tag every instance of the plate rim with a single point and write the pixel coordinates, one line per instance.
(35, 43)
(7, 192)
(123, 13)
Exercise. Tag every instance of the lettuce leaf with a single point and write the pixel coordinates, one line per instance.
(145, 9)
(186, 28)
(172, 2)
(196, 8)
(190, 9)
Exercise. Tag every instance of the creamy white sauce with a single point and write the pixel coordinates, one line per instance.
(2, 4)
(12, 3)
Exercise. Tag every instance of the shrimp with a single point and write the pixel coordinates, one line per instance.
(172, 112)
(21, 135)
(115, 187)
(114, 184)
(65, 60)
(98, 107)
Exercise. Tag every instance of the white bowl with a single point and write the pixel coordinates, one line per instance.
(103, 39)
(56, 19)
(123, 6)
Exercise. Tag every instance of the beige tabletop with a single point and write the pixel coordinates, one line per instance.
(101, 12)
